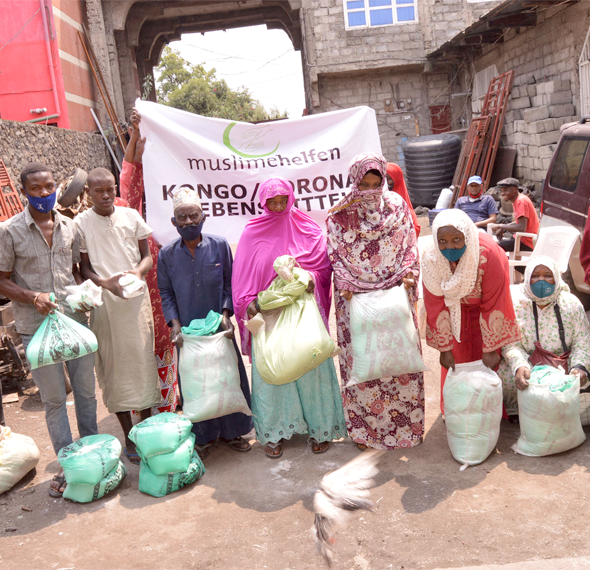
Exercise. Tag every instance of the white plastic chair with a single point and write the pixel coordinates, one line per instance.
(556, 242)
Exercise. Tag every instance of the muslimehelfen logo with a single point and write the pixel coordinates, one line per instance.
(250, 141)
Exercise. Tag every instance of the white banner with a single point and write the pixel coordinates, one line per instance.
(226, 162)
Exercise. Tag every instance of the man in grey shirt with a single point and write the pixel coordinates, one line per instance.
(39, 253)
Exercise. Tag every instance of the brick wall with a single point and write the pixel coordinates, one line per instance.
(68, 16)
(546, 83)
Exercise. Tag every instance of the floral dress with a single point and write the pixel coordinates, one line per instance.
(515, 355)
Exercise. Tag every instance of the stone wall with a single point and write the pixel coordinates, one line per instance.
(546, 88)
(415, 90)
(60, 149)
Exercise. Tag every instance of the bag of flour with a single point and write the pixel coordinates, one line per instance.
(473, 411)
(208, 366)
(18, 455)
(385, 341)
(549, 413)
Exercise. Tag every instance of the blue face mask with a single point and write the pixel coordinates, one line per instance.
(190, 233)
(542, 289)
(453, 254)
(43, 205)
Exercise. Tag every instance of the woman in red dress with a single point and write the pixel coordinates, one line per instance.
(469, 312)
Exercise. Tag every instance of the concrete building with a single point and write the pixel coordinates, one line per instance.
(549, 50)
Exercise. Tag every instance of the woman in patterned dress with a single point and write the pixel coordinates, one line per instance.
(469, 312)
(544, 288)
(372, 246)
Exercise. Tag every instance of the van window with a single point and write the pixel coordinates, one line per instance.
(568, 164)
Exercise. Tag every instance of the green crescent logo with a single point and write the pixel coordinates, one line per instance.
(228, 144)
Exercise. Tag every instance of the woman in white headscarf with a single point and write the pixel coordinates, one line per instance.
(554, 328)
(467, 294)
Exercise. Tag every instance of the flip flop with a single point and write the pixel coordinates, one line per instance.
(203, 450)
(235, 444)
(132, 456)
(56, 493)
(318, 443)
(273, 446)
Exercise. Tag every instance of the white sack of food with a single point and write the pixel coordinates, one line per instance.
(132, 285)
(18, 455)
(385, 341)
(549, 413)
(473, 411)
(208, 368)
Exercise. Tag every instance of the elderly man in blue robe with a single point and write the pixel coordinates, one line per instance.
(194, 277)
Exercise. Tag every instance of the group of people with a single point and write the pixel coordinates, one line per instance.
(371, 245)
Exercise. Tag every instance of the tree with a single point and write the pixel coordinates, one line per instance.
(192, 88)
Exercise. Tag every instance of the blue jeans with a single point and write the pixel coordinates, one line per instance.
(52, 387)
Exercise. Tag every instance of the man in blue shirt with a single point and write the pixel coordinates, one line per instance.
(480, 207)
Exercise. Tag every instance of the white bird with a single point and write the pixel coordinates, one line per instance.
(342, 491)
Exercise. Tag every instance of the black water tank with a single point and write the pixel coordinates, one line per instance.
(430, 166)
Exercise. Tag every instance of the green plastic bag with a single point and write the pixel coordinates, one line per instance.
(289, 335)
(90, 459)
(162, 485)
(174, 462)
(59, 339)
(160, 434)
(203, 327)
(87, 493)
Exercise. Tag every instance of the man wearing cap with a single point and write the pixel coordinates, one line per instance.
(480, 207)
(525, 218)
(194, 277)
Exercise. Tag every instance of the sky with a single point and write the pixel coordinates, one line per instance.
(262, 60)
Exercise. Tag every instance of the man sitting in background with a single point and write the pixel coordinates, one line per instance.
(480, 207)
(525, 218)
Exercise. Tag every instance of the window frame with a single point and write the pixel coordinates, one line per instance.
(567, 140)
(368, 9)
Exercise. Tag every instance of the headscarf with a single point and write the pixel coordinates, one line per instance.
(185, 196)
(269, 236)
(371, 245)
(560, 285)
(436, 269)
(399, 187)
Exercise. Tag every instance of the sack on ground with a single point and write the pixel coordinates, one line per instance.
(549, 413)
(18, 455)
(87, 294)
(292, 338)
(86, 493)
(162, 485)
(384, 340)
(90, 459)
(59, 339)
(160, 434)
(208, 367)
(473, 411)
(175, 462)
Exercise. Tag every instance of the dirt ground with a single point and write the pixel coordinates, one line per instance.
(249, 511)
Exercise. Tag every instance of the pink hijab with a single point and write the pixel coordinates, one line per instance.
(266, 237)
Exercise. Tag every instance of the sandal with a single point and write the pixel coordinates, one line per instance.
(362, 446)
(56, 493)
(203, 450)
(273, 447)
(237, 444)
(317, 447)
(133, 457)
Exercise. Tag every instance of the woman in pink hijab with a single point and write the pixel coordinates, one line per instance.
(312, 404)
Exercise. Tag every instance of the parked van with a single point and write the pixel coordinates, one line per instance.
(566, 195)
